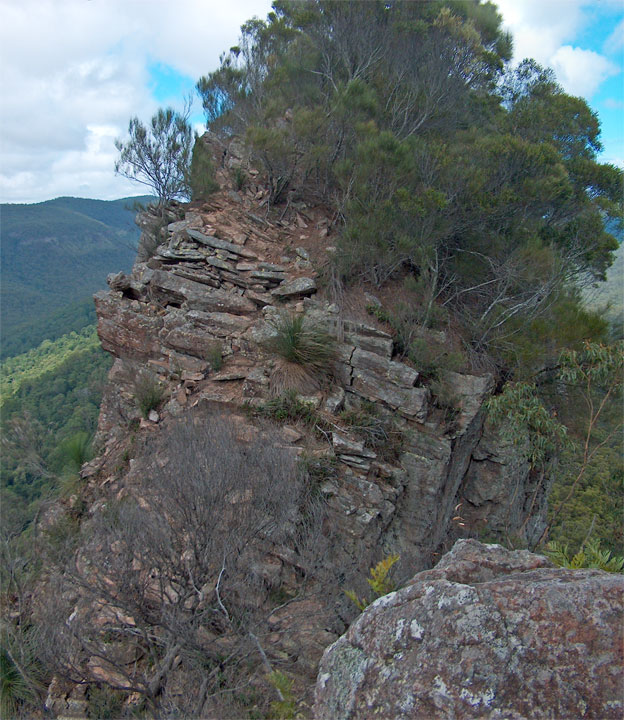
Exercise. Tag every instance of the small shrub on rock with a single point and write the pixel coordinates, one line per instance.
(377, 432)
(148, 393)
(202, 178)
(379, 582)
(289, 408)
(215, 357)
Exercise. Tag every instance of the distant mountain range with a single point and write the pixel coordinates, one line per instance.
(54, 256)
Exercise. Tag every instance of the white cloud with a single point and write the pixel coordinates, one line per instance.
(540, 27)
(615, 41)
(72, 74)
(581, 72)
(614, 104)
(545, 30)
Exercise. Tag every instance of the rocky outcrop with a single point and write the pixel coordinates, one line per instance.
(218, 279)
(196, 312)
(488, 633)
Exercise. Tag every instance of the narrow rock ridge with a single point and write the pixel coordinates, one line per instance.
(218, 277)
(220, 274)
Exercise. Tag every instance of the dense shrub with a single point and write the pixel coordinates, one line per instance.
(185, 569)
(148, 392)
(202, 176)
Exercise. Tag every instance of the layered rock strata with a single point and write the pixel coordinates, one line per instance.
(218, 278)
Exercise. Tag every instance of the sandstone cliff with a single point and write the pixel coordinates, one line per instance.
(221, 272)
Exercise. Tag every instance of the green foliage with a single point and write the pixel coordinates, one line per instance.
(590, 489)
(76, 242)
(596, 365)
(20, 686)
(583, 424)
(300, 341)
(44, 359)
(74, 318)
(148, 393)
(289, 408)
(42, 414)
(431, 358)
(524, 421)
(286, 708)
(379, 581)
(240, 178)
(589, 556)
(158, 155)
(77, 450)
(202, 180)
(447, 401)
(318, 470)
(530, 346)
(488, 194)
(597, 501)
(215, 356)
(105, 703)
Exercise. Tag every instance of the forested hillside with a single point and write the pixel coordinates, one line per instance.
(55, 254)
(57, 398)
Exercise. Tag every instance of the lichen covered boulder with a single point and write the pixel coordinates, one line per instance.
(488, 633)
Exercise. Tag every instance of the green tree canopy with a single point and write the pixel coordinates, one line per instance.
(158, 155)
(443, 162)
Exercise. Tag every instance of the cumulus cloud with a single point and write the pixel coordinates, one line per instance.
(581, 72)
(74, 72)
(544, 29)
(540, 27)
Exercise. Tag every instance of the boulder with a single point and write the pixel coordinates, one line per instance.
(488, 633)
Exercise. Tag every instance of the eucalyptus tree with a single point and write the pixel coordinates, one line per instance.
(158, 155)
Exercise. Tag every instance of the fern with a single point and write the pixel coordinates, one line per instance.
(379, 582)
(589, 556)
(286, 708)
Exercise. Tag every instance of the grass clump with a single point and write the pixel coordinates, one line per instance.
(305, 352)
(148, 393)
(239, 177)
(299, 341)
(215, 356)
(77, 450)
(289, 408)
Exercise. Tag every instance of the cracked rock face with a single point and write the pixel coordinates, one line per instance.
(488, 633)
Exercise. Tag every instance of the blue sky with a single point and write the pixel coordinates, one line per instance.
(72, 73)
